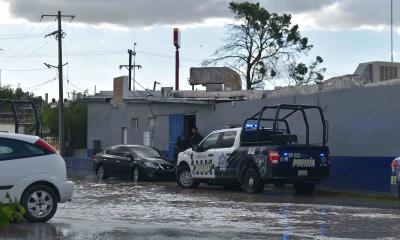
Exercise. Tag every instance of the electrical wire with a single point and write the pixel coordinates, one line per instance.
(20, 34)
(26, 47)
(34, 87)
(20, 38)
(76, 87)
(23, 70)
(10, 38)
(100, 53)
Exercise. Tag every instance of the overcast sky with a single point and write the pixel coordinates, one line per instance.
(344, 33)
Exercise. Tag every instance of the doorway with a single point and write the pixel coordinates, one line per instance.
(189, 123)
(179, 125)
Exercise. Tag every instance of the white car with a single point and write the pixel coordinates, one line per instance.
(32, 172)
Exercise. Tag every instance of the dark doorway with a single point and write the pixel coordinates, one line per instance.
(189, 123)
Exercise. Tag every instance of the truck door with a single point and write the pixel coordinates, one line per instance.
(222, 155)
(204, 159)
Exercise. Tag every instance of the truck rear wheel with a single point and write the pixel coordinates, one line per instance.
(304, 188)
(251, 182)
(184, 178)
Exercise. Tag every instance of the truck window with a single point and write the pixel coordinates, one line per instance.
(211, 141)
(228, 139)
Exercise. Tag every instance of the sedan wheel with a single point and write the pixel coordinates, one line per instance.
(101, 173)
(40, 202)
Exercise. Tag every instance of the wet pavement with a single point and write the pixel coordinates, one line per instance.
(119, 209)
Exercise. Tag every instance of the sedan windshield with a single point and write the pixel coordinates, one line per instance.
(146, 152)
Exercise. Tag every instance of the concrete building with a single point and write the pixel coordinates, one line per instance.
(363, 118)
(378, 71)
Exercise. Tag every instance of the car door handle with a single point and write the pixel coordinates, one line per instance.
(210, 155)
(118, 161)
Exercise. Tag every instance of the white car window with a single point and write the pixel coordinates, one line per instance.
(211, 141)
(14, 149)
(228, 139)
(5, 150)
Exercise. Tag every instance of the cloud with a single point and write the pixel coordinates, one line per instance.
(129, 13)
(325, 14)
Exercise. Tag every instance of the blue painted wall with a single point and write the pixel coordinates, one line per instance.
(176, 123)
(361, 173)
(78, 163)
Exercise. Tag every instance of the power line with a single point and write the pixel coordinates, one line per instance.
(20, 34)
(76, 87)
(111, 52)
(40, 84)
(26, 47)
(10, 38)
(20, 39)
(15, 58)
(24, 70)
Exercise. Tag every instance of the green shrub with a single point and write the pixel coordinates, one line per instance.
(11, 212)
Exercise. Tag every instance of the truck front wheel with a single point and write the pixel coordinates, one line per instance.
(251, 182)
(304, 188)
(184, 178)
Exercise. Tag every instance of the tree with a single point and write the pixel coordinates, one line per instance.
(75, 122)
(303, 75)
(6, 92)
(258, 42)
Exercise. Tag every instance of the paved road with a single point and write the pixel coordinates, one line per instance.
(117, 209)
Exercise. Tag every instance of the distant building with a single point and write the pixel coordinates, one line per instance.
(157, 118)
(7, 122)
(378, 71)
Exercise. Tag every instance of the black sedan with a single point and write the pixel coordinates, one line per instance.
(133, 161)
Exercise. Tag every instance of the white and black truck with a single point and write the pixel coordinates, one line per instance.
(262, 151)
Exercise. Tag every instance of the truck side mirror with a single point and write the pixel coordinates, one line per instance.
(195, 148)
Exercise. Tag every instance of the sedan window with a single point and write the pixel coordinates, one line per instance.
(146, 152)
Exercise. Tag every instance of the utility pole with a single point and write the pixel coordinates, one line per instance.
(391, 30)
(59, 35)
(0, 69)
(131, 66)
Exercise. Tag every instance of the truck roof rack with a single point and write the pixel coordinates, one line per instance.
(276, 118)
(13, 104)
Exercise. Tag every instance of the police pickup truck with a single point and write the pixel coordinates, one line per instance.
(263, 151)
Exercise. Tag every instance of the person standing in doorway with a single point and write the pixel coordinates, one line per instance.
(196, 137)
(180, 146)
